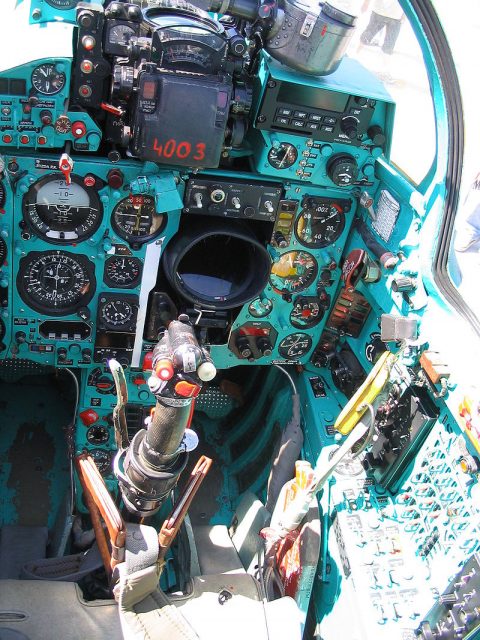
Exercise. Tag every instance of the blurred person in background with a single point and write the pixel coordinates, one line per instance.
(388, 15)
(468, 235)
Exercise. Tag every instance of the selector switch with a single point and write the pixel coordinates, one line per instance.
(243, 345)
(264, 346)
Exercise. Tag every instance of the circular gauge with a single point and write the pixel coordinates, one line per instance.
(135, 219)
(55, 283)
(103, 382)
(306, 312)
(260, 307)
(63, 5)
(123, 272)
(320, 223)
(295, 346)
(283, 156)
(120, 34)
(103, 460)
(116, 313)
(295, 271)
(97, 434)
(342, 169)
(47, 80)
(348, 466)
(3, 251)
(61, 213)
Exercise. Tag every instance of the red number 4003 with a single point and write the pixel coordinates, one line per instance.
(180, 150)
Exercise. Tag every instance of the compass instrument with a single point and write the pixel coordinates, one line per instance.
(295, 271)
(56, 283)
(47, 80)
(122, 272)
(321, 221)
(62, 213)
(295, 346)
(135, 219)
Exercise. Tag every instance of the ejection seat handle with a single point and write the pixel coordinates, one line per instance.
(101, 506)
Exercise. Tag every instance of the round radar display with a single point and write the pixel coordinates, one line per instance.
(294, 271)
(320, 222)
(62, 213)
(136, 220)
(295, 346)
(47, 80)
(55, 283)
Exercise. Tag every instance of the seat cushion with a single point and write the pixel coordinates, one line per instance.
(44, 610)
(216, 553)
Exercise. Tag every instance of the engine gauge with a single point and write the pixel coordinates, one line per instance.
(295, 346)
(103, 460)
(47, 80)
(306, 312)
(321, 221)
(55, 282)
(283, 156)
(122, 272)
(120, 34)
(295, 271)
(61, 213)
(260, 307)
(97, 434)
(135, 219)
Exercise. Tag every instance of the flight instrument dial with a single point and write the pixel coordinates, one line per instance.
(122, 272)
(321, 221)
(283, 156)
(55, 282)
(47, 80)
(62, 213)
(293, 272)
(136, 219)
(295, 346)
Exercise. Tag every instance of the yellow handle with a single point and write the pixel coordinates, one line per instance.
(366, 394)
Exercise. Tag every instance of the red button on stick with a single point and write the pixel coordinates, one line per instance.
(147, 361)
(88, 417)
(164, 369)
(186, 389)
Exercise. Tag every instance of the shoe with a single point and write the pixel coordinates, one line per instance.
(466, 238)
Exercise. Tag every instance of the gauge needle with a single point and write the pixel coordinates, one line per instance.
(139, 217)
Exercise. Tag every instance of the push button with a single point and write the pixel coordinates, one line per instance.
(187, 389)
(284, 112)
(298, 124)
(284, 121)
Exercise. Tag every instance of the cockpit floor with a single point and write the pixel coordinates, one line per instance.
(34, 467)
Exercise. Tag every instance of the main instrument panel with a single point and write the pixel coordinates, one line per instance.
(157, 169)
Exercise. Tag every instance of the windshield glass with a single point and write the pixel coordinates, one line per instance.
(463, 33)
(385, 43)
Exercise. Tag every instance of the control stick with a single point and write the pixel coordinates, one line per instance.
(157, 455)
